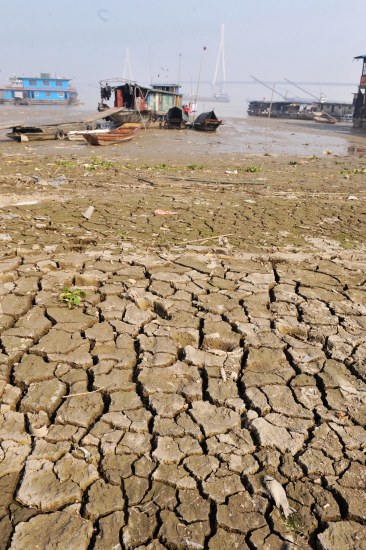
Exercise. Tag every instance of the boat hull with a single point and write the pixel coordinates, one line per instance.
(127, 116)
(120, 135)
(32, 136)
(208, 126)
(39, 102)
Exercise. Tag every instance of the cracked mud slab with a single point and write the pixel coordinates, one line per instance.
(148, 416)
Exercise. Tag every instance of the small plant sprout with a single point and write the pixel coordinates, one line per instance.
(71, 296)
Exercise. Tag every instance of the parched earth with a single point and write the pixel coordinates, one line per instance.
(220, 338)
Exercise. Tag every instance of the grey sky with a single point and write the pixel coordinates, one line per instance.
(303, 40)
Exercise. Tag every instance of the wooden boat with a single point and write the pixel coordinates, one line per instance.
(78, 135)
(57, 130)
(324, 118)
(206, 122)
(34, 133)
(111, 137)
(175, 118)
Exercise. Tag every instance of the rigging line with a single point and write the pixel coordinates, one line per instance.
(302, 89)
(269, 87)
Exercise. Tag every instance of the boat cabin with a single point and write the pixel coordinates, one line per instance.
(38, 89)
(132, 96)
(284, 109)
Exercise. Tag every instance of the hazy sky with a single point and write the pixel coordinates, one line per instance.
(303, 40)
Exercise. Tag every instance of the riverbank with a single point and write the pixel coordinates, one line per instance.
(219, 339)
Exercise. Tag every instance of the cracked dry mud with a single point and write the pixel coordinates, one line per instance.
(148, 416)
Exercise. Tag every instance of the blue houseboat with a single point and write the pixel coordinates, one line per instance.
(39, 90)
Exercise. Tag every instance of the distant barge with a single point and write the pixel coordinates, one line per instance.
(300, 109)
(39, 90)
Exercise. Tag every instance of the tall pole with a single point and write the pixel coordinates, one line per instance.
(220, 57)
(151, 76)
(269, 113)
(180, 58)
(127, 67)
(199, 74)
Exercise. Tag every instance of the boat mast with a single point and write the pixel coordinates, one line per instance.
(127, 67)
(220, 57)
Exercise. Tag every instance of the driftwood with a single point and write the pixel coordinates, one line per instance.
(82, 393)
(213, 181)
(206, 239)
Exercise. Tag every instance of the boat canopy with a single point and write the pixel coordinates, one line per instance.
(205, 116)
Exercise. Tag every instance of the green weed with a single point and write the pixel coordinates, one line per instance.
(65, 163)
(71, 296)
(194, 166)
(253, 169)
(348, 172)
(293, 522)
(100, 164)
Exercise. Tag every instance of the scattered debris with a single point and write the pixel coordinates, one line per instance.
(5, 237)
(60, 180)
(40, 432)
(88, 212)
(352, 198)
(26, 203)
(82, 393)
(160, 212)
(207, 239)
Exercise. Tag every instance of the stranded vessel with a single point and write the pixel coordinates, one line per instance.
(39, 90)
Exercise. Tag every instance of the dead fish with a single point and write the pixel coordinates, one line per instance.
(278, 494)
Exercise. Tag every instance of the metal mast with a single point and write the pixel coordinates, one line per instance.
(127, 67)
(220, 57)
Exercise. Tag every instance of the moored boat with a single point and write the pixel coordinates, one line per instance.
(136, 103)
(58, 130)
(206, 122)
(39, 90)
(111, 137)
(78, 135)
(36, 133)
(175, 118)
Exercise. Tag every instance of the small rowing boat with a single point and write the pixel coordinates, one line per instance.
(111, 137)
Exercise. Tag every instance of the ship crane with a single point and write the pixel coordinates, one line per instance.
(302, 89)
(269, 87)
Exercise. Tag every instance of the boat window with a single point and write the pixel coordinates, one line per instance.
(32, 82)
(60, 94)
(36, 94)
(58, 82)
(47, 94)
(45, 82)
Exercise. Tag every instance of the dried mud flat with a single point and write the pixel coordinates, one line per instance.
(221, 339)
